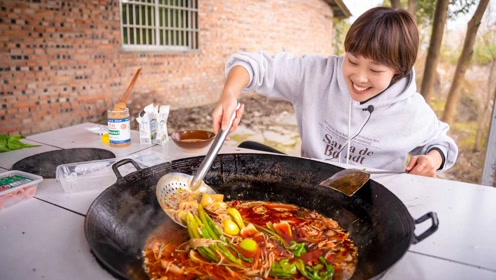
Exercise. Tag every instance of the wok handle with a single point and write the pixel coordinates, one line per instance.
(122, 162)
(430, 230)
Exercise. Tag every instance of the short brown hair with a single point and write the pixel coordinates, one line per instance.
(385, 35)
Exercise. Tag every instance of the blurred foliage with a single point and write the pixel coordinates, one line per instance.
(485, 48)
(341, 27)
(427, 8)
(469, 130)
(450, 54)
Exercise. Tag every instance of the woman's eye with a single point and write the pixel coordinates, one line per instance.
(376, 70)
(352, 63)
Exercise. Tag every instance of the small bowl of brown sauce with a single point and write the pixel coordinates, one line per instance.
(193, 140)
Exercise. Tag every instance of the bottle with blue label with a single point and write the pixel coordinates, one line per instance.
(119, 126)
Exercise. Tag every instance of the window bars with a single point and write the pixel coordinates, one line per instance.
(159, 24)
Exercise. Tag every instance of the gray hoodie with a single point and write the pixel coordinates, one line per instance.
(380, 132)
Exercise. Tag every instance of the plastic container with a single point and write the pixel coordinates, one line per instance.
(17, 186)
(119, 127)
(98, 174)
(86, 176)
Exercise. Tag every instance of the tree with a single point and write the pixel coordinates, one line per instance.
(463, 62)
(485, 110)
(485, 54)
(412, 8)
(396, 4)
(432, 59)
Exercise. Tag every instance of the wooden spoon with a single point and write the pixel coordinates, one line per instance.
(122, 104)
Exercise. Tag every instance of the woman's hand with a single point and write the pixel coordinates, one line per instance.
(425, 165)
(223, 112)
(237, 79)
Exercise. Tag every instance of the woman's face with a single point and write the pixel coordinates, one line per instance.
(365, 78)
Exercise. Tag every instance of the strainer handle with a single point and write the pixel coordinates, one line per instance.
(212, 153)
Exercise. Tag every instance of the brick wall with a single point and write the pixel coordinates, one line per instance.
(61, 61)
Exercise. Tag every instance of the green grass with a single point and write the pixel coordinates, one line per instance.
(467, 132)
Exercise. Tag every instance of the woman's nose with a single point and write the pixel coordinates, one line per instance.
(360, 76)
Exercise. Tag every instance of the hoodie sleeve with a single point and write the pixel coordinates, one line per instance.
(280, 76)
(438, 139)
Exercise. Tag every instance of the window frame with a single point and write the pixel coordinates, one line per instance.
(178, 28)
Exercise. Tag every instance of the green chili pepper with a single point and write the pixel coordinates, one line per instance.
(298, 248)
(329, 267)
(284, 269)
(271, 232)
(316, 272)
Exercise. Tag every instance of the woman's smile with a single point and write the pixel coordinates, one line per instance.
(359, 89)
(366, 78)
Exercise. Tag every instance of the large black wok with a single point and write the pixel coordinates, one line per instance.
(121, 219)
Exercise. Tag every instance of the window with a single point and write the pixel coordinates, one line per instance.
(159, 24)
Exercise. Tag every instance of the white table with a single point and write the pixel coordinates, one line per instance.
(43, 238)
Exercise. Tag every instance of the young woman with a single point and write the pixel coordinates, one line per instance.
(361, 108)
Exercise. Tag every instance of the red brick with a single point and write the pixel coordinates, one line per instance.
(87, 69)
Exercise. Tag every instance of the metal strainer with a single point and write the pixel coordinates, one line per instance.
(174, 188)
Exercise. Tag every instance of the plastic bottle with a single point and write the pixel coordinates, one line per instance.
(119, 126)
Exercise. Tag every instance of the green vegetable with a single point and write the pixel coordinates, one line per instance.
(329, 267)
(316, 272)
(284, 269)
(3, 143)
(203, 227)
(236, 217)
(230, 227)
(11, 143)
(249, 245)
(194, 232)
(217, 233)
(14, 144)
(298, 248)
(272, 233)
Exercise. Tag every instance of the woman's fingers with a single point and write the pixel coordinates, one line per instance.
(223, 112)
(422, 165)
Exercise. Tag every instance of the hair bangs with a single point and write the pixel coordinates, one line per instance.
(387, 36)
(370, 42)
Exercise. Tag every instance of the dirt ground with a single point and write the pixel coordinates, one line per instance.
(260, 112)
